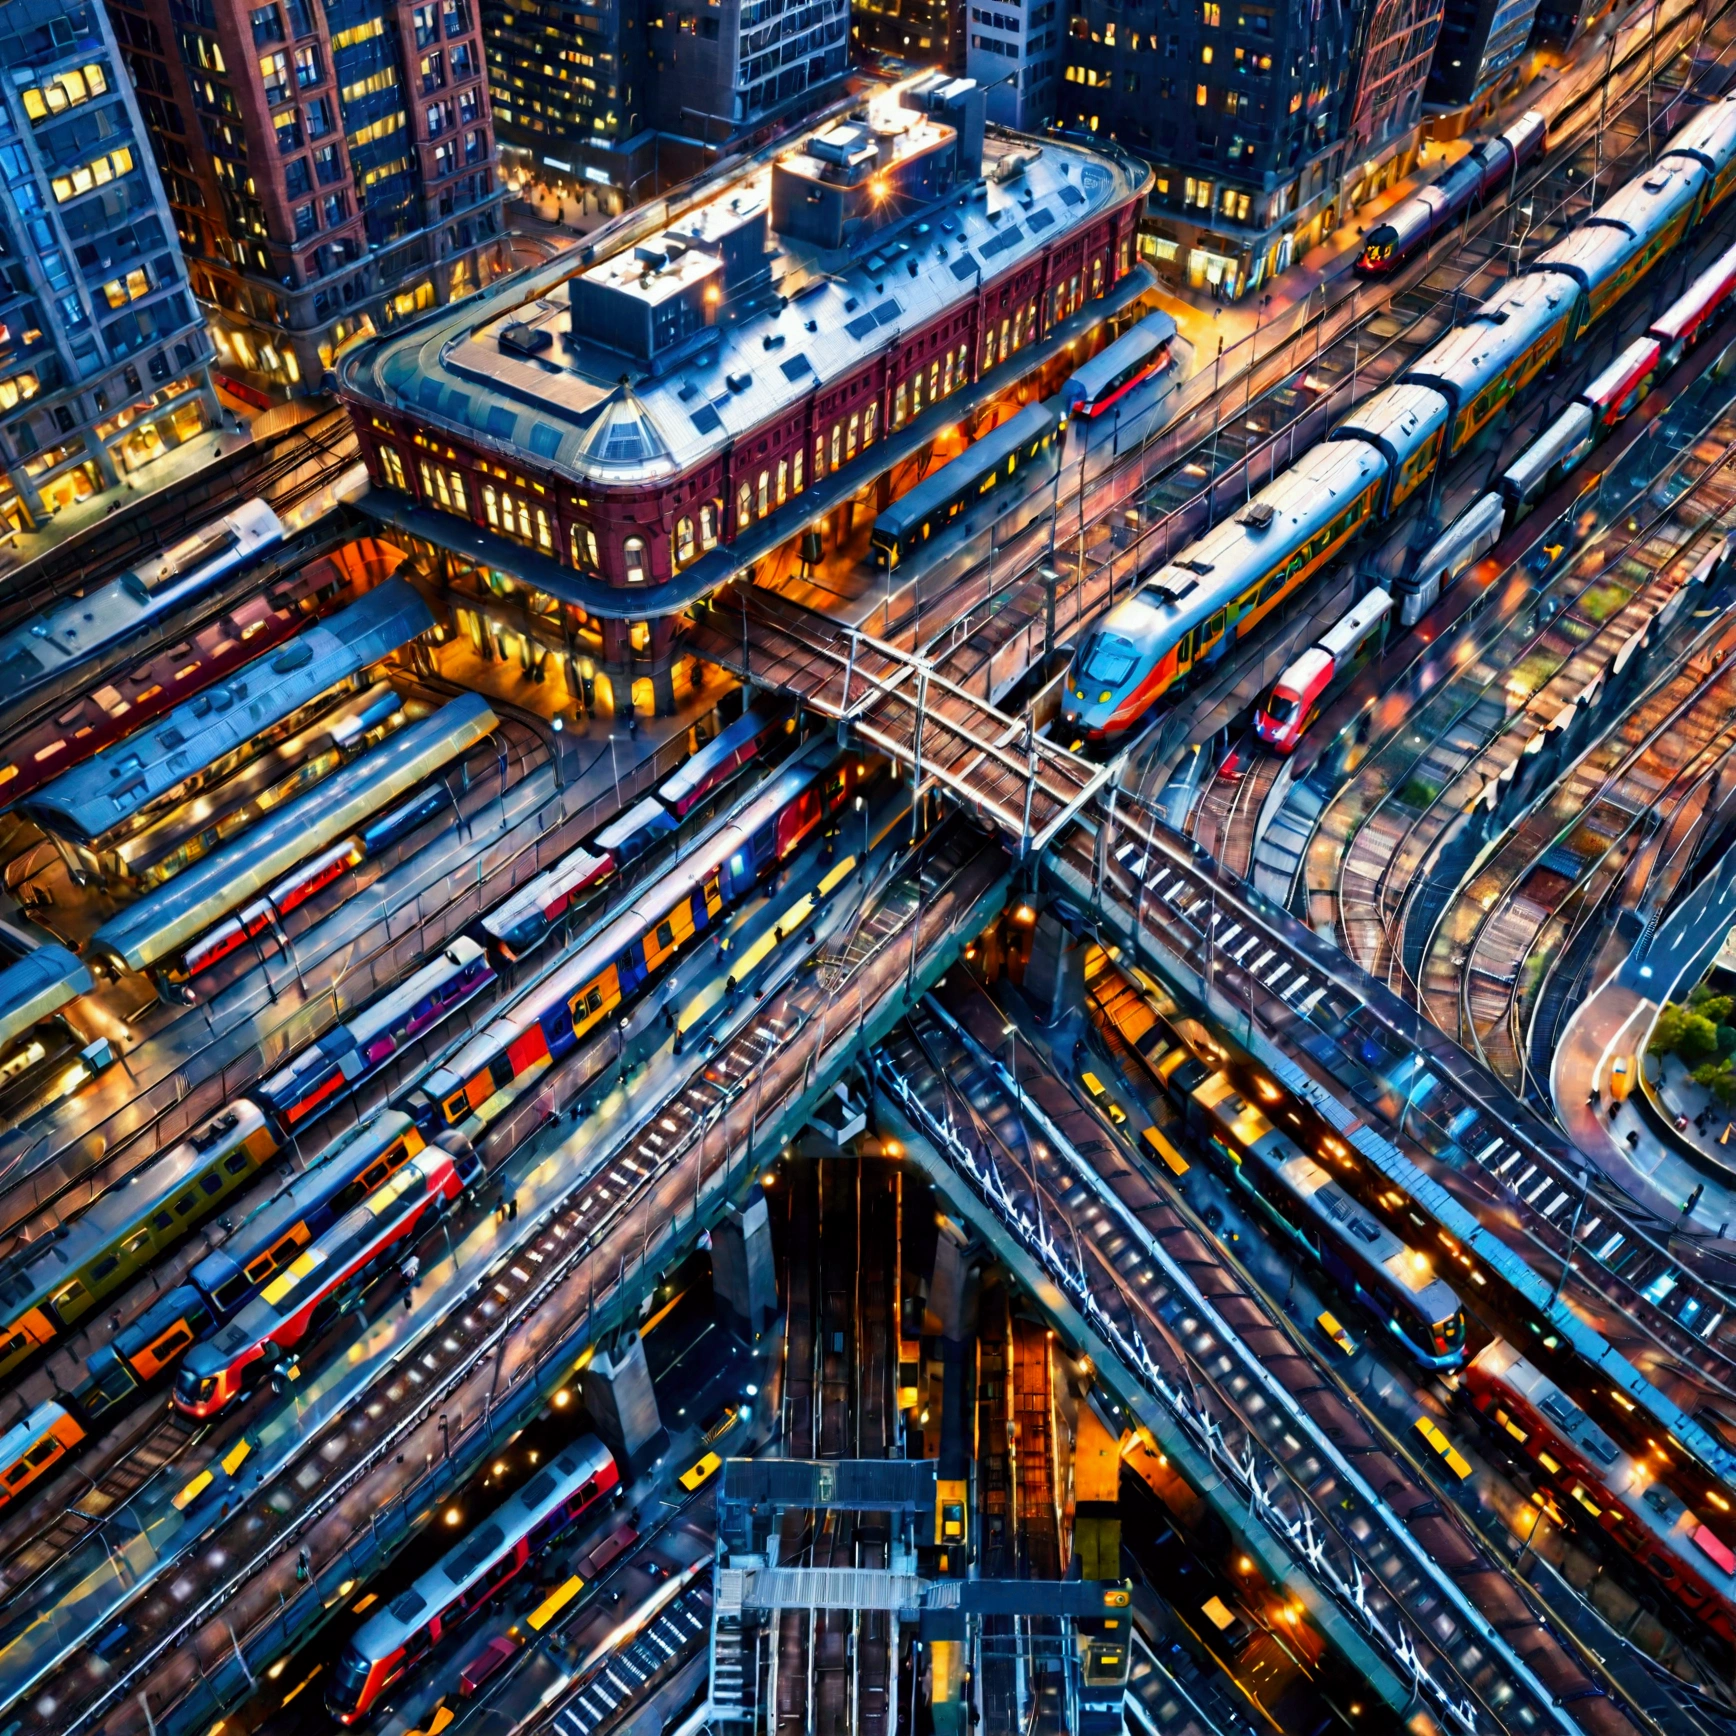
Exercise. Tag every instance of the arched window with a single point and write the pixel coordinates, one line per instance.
(796, 481)
(684, 550)
(837, 444)
(743, 507)
(708, 517)
(783, 480)
(765, 492)
(583, 542)
(634, 550)
(819, 456)
(869, 416)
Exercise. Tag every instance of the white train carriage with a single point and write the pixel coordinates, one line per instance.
(70, 633)
(1229, 581)
(1504, 345)
(1406, 423)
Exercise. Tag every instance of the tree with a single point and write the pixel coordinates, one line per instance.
(1719, 1078)
(1691, 1035)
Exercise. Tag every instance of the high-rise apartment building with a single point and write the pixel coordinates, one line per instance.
(330, 166)
(629, 95)
(1240, 107)
(1393, 51)
(919, 32)
(1013, 51)
(1481, 41)
(104, 359)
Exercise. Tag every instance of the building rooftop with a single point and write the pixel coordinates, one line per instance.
(646, 363)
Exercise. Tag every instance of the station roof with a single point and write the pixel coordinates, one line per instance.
(36, 985)
(112, 786)
(516, 378)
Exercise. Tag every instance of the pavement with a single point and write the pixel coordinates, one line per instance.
(1617, 1019)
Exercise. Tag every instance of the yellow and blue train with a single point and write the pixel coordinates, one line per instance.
(1188, 614)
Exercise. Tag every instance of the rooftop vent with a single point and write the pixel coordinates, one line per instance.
(525, 340)
(1258, 515)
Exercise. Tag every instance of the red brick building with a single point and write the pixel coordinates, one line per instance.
(622, 440)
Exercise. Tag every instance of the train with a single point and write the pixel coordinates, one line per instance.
(1296, 696)
(60, 638)
(262, 1245)
(358, 1048)
(259, 1342)
(1413, 223)
(34, 1445)
(170, 675)
(1688, 1550)
(303, 881)
(517, 926)
(574, 1483)
(1184, 618)
(1396, 1283)
(49, 1286)
(1141, 354)
(549, 1019)
(947, 493)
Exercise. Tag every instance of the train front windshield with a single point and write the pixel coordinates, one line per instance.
(1281, 707)
(190, 1389)
(1450, 1335)
(1108, 659)
(349, 1679)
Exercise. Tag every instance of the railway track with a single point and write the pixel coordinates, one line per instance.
(235, 1596)
(1512, 1172)
(1168, 491)
(1207, 1333)
(284, 470)
(1377, 834)
(1485, 956)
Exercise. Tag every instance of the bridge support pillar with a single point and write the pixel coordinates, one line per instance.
(743, 1278)
(1055, 975)
(623, 1404)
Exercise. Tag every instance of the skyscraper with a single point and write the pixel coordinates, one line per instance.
(920, 32)
(104, 360)
(1480, 42)
(630, 95)
(1394, 47)
(331, 167)
(1014, 52)
(1241, 109)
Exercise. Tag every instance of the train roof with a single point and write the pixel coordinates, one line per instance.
(1355, 624)
(27, 1431)
(698, 766)
(163, 921)
(1645, 204)
(1225, 561)
(330, 1172)
(648, 815)
(465, 1563)
(36, 1270)
(1506, 324)
(1659, 1509)
(1302, 675)
(112, 786)
(977, 459)
(40, 983)
(1134, 345)
(1710, 135)
(1313, 1186)
(1402, 415)
(528, 377)
(1567, 430)
(77, 628)
(678, 882)
(1691, 306)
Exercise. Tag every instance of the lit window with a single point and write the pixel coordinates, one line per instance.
(708, 517)
(743, 507)
(765, 492)
(634, 550)
(393, 466)
(684, 544)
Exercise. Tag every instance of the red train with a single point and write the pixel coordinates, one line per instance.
(1621, 1494)
(257, 1343)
